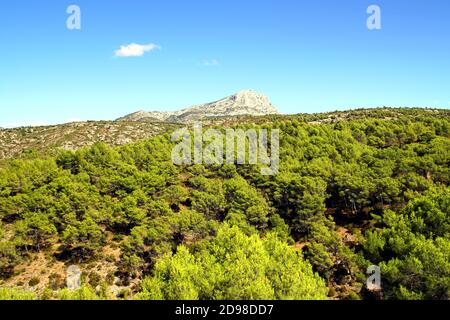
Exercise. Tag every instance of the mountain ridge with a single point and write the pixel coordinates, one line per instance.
(245, 102)
(19, 142)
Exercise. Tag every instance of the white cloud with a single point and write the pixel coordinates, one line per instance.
(135, 49)
(211, 63)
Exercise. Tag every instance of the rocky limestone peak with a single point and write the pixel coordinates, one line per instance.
(245, 102)
(253, 99)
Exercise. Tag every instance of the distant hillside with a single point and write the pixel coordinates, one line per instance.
(73, 136)
(19, 141)
(247, 102)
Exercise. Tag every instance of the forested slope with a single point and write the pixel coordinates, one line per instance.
(354, 190)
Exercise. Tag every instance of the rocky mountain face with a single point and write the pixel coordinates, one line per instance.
(247, 102)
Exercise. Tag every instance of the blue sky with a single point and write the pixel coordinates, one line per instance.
(307, 56)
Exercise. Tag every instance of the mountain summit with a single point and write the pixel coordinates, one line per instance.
(246, 102)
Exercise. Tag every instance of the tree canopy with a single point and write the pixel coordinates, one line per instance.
(354, 190)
